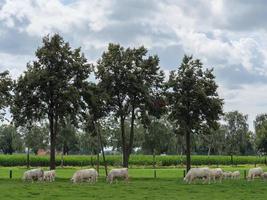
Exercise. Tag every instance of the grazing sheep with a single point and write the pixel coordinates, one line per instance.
(89, 175)
(33, 175)
(197, 173)
(49, 175)
(254, 172)
(264, 176)
(216, 173)
(117, 173)
(227, 175)
(236, 175)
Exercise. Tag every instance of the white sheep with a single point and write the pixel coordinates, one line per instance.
(33, 175)
(227, 175)
(254, 172)
(216, 173)
(197, 173)
(49, 175)
(235, 175)
(89, 175)
(117, 173)
(264, 176)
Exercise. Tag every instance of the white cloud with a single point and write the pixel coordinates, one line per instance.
(228, 35)
(46, 16)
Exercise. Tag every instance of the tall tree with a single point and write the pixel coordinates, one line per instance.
(36, 137)
(129, 78)
(96, 100)
(10, 139)
(67, 137)
(193, 100)
(236, 132)
(260, 124)
(6, 85)
(50, 87)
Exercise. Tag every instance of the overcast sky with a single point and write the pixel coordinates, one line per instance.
(229, 35)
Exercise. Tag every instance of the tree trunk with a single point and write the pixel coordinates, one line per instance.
(129, 149)
(102, 148)
(52, 127)
(188, 150)
(209, 151)
(124, 149)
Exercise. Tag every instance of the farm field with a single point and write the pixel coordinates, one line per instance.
(142, 185)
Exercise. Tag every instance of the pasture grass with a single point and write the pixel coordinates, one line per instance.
(142, 185)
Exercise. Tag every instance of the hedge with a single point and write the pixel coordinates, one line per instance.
(137, 160)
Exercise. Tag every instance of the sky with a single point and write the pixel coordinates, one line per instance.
(229, 36)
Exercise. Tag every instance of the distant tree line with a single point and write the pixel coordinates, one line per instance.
(131, 107)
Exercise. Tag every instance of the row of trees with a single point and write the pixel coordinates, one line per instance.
(130, 89)
(231, 138)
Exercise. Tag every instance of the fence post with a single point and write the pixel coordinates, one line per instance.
(154, 164)
(28, 158)
(245, 174)
(10, 174)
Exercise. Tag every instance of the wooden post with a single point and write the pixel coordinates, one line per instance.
(154, 164)
(245, 174)
(10, 174)
(97, 167)
(28, 158)
(62, 159)
(92, 164)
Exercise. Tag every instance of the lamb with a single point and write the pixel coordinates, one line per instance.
(117, 173)
(235, 175)
(254, 172)
(49, 175)
(216, 173)
(194, 173)
(264, 176)
(227, 175)
(33, 175)
(89, 175)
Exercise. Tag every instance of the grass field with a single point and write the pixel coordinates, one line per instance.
(142, 185)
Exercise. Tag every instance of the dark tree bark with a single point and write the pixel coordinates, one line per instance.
(102, 149)
(124, 149)
(188, 150)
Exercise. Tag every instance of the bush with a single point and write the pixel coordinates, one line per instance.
(138, 160)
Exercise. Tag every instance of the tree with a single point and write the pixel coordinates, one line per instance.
(67, 138)
(260, 125)
(97, 104)
(157, 137)
(129, 77)
(50, 87)
(193, 100)
(6, 85)
(10, 139)
(36, 137)
(237, 132)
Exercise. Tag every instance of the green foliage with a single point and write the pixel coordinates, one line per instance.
(135, 160)
(238, 137)
(194, 103)
(6, 85)
(36, 137)
(261, 132)
(10, 139)
(131, 79)
(51, 87)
